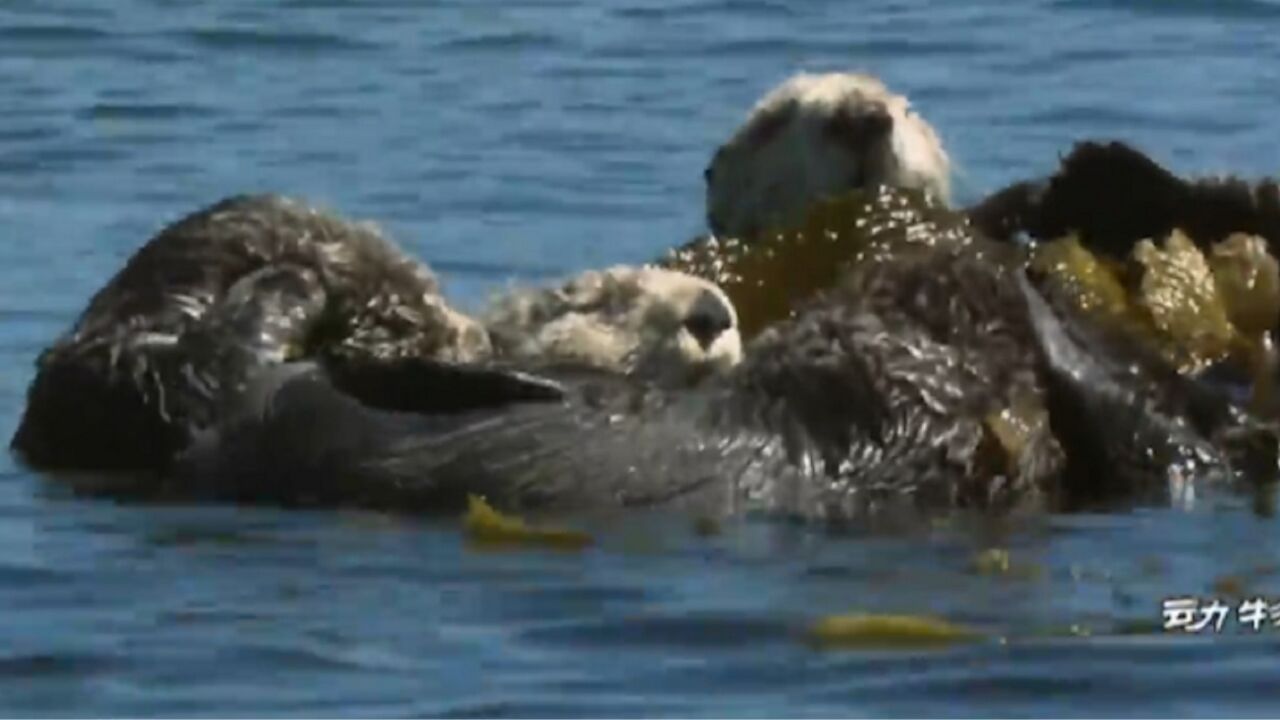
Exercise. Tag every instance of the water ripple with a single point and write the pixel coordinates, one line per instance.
(526, 141)
(274, 42)
(55, 665)
(1208, 9)
(150, 111)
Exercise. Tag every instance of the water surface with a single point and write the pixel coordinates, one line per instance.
(525, 140)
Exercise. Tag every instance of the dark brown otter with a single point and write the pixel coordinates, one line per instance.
(248, 281)
(1114, 195)
(869, 402)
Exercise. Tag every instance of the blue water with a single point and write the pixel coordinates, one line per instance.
(528, 139)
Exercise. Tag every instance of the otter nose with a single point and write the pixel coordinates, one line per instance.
(708, 319)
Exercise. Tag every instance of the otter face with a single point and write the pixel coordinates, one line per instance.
(658, 324)
(815, 136)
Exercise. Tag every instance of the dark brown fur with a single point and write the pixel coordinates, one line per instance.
(119, 391)
(867, 405)
(1113, 195)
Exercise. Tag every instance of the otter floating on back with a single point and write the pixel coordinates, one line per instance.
(253, 281)
(659, 324)
(123, 388)
(875, 400)
(814, 136)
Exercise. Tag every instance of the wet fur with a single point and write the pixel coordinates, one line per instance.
(1133, 428)
(659, 324)
(813, 136)
(117, 391)
(1114, 195)
(869, 403)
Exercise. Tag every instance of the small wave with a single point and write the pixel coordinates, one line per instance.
(702, 631)
(144, 111)
(712, 9)
(28, 134)
(1238, 9)
(309, 658)
(347, 110)
(60, 158)
(51, 34)
(558, 603)
(1109, 675)
(871, 47)
(1108, 119)
(32, 666)
(618, 705)
(27, 576)
(241, 40)
(504, 42)
(53, 41)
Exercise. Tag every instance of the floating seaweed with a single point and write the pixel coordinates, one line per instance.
(1192, 310)
(488, 527)
(1092, 283)
(1195, 311)
(765, 278)
(1248, 280)
(1178, 292)
(997, 562)
(866, 631)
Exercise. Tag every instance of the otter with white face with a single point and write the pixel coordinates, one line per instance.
(817, 135)
(661, 325)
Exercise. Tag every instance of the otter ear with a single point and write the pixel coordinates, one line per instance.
(433, 387)
(766, 125)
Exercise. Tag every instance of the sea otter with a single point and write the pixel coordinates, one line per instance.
(666, 326)
(873, 400)
(121, 389)
(1114, 195)
(813, 136)
(255, 280)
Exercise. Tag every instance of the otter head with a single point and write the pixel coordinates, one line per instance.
(658, 324)
(814, 136)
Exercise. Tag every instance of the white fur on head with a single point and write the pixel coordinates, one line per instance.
(659, 324)
(814, 136)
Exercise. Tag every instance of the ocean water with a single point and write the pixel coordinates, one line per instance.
(521, 141)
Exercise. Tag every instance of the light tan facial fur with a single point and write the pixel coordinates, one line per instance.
(660, 324)
(816, 135)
